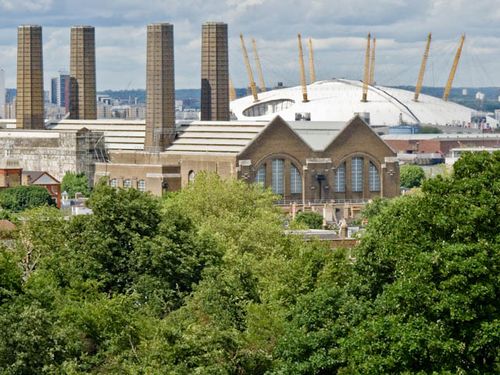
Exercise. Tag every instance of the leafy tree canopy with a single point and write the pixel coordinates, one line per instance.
(20, 198)
(411, 175)
(205, 281)
(310, 219)
(73, 183)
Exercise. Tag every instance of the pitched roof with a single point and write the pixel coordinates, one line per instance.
(40, 178)
(317, 134)
(220, 137)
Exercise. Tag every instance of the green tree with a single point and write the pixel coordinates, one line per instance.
(73, 183)
(310, 219)
(423, 293)
(429, 130)
(411, 176)
(21, 198)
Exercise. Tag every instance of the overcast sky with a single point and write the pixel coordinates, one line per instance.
(338, 29)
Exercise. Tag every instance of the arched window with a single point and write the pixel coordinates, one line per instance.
(340, 179)
(357, 174)
(277, 179)
(295, 180)
(374, 178)
(141, 185)
(191, 176)
(260, 177)
(113, 183)
(127, 184)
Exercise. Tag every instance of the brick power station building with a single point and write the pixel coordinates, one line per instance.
(301, 161)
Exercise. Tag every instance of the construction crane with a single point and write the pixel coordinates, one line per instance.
(366, 77)
(232, 91)
(372, 62)
(312, 71)
(420, 80)
(302, 70)
(259, 67)
(451, 77)
(253, 88)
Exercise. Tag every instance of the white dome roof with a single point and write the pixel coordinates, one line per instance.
(340, 99)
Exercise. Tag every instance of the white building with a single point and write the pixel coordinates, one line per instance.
(340, 100)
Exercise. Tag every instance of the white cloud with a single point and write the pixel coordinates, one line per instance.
(338, 29)
(25, 5)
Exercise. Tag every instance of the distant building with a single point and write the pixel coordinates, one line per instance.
(439, 143)
(59, 90)
(13, 175)
(45, 180)
(300, 161)
(10, 172)
(10, 109)
(54, 151)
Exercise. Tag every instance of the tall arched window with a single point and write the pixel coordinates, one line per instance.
(295, 180)
(191, 176)
(278, 177)
(357, 174)
(374, 178)
(113, 183)
(260, 177)
(340, 179)
(127, 183)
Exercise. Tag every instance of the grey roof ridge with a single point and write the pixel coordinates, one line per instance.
(276, 118)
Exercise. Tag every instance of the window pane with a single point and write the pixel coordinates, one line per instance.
(295, 180)
(141, 185)
(357, 174)
(112, 183)
(374, 178)
(127, 183)
(260, 177)
(277, 180)
(340, 179)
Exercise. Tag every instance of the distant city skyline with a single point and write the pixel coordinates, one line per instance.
(338, 31)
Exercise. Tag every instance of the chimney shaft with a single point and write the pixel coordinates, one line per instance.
(214, 72)
(160, 88)
(83, 104)
(30, 95)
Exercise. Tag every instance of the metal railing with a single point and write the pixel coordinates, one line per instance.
(312, 202)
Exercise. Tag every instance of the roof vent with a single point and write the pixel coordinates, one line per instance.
(303, 116)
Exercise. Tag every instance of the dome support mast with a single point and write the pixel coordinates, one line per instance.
(262, 84)
(453, 71)
(312, 70)
(302, 70)
(421, 74)
(372, 63)
(366, 77)
(253, 88)
(232, 91)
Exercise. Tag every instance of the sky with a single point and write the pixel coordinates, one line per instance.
(338, 29)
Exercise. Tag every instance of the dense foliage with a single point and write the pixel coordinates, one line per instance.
(20, 198)
(310, 219)
(425, 129)
(206, 282)
(73, 183)
(411, 176)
